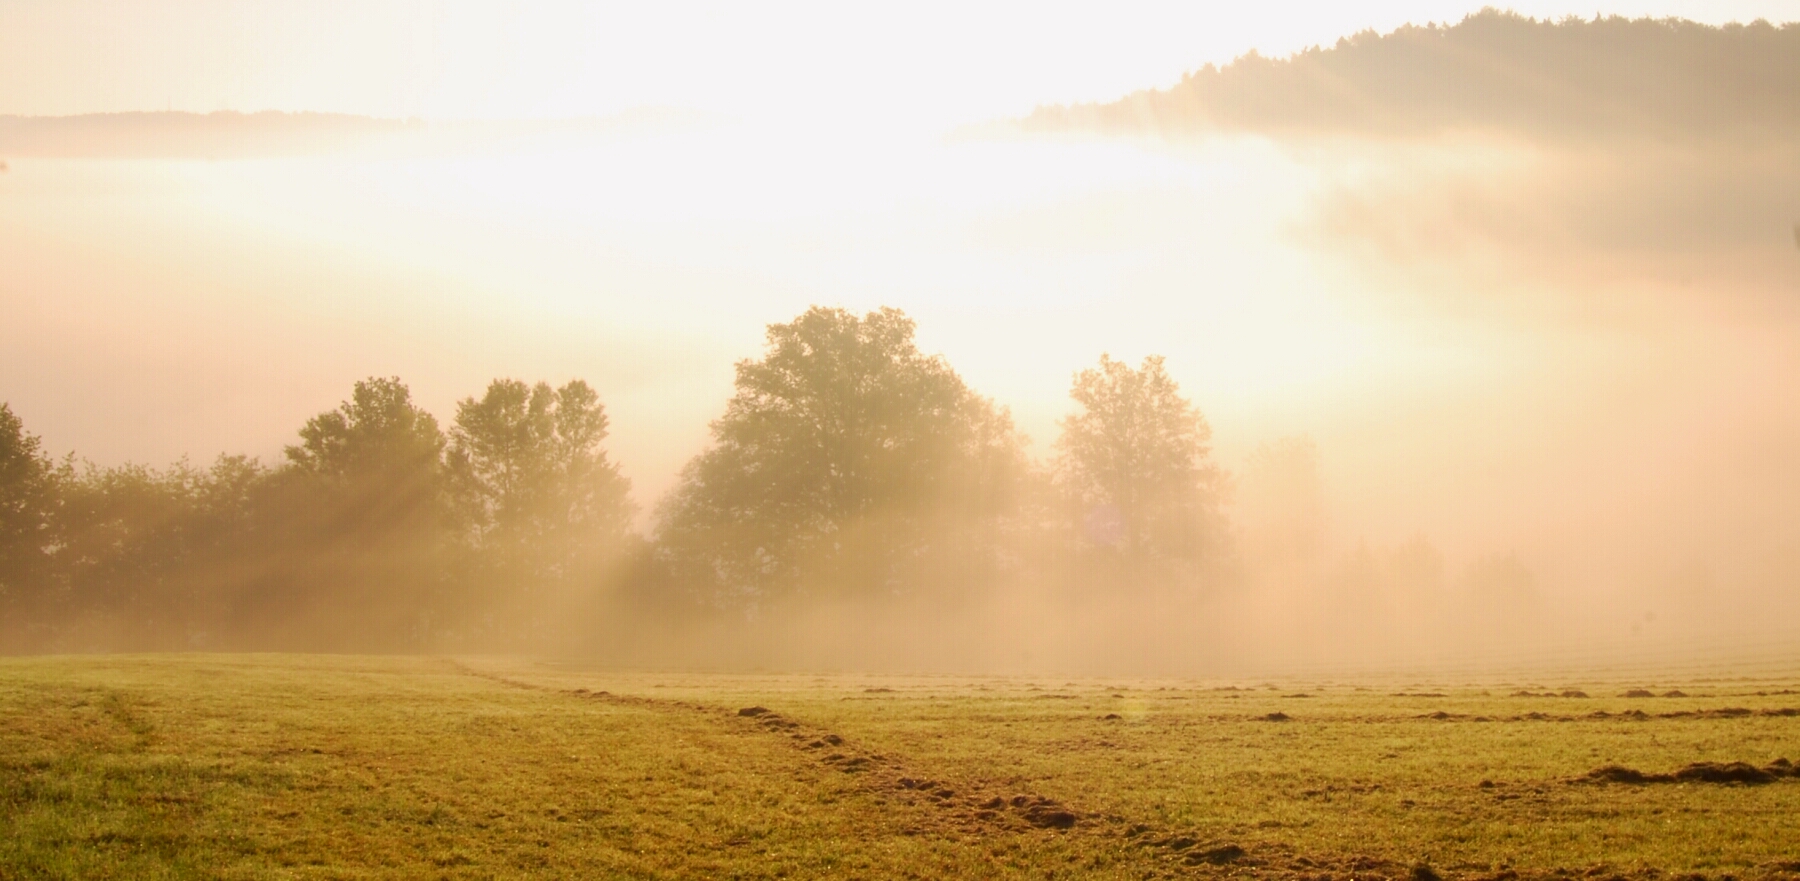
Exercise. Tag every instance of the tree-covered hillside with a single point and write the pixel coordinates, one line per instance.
(1573, 78)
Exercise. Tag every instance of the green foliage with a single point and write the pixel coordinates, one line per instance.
(379, 431)
(147, 546)
(842, 462)
(1135, 462)
(528, 471)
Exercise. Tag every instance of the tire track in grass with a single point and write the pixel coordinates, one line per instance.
(982, 808)
(975, 807)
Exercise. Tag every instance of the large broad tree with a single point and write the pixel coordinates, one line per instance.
(1135, 461)
(536, 495)
(847, 463)
(356, 537)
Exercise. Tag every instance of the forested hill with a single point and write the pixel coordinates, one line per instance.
(1494, 71)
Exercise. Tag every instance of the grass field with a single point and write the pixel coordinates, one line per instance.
(269, 766)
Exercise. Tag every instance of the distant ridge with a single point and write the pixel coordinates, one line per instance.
(178, 134)
(231, 135)
(1499, 71)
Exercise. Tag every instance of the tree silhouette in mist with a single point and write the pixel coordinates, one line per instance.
(28, 481)
(540, 506)
(1135, 461)
(847, 463)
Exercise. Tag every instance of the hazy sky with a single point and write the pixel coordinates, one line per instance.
(912, 62)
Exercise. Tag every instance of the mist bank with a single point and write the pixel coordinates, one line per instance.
(1619, 201)
(858, 507)
(1653, 158)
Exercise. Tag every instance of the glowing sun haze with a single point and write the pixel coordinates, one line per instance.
(915, 62)
(1459, 376)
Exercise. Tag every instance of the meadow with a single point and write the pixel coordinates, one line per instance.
(306, 766)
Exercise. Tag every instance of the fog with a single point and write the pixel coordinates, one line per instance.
(1493, 325)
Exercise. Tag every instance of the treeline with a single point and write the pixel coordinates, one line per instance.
(848, 468)
(380, 530)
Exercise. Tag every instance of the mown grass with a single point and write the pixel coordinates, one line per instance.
(325, 767)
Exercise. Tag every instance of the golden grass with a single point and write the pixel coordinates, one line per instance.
(269, 766)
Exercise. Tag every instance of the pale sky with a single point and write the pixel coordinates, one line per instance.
(913, 63)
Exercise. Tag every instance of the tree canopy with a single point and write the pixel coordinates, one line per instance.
(378, 431)
(1135, 459)
(842, 452)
